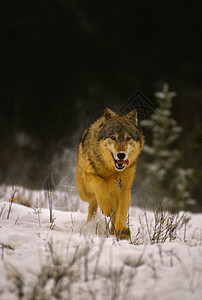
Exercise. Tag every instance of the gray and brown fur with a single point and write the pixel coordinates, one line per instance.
(102, 178)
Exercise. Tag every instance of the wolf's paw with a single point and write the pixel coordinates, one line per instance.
(107, 211)
(123, 234)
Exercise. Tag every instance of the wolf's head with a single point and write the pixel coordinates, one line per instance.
(121, 137)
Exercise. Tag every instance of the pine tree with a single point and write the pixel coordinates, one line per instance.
(163, 174)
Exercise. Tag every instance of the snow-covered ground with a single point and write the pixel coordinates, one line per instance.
(71, 260)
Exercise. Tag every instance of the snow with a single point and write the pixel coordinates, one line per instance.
(78, 261)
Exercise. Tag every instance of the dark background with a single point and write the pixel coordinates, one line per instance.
(62, 62)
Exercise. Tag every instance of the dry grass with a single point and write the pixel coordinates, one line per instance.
(163, 226)
(12, 198)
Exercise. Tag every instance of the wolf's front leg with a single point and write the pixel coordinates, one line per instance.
(98, 186)
(92, 209)
(87, 197)
(122, 232)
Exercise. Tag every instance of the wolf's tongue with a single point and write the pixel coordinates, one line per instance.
(126, 162)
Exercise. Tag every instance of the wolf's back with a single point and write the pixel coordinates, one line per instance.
(88, 150)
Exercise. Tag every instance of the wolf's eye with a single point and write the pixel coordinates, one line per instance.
(128, 138)
(113, 138)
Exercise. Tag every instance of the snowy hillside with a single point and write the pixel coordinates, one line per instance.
(70, 260)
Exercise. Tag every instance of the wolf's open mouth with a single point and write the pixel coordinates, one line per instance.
(120, 164)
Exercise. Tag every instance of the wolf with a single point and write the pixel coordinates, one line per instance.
(107, 159)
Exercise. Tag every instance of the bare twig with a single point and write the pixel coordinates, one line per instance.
(52, 224)
(2, 209)
(14, 191)
(147, 224)
(4, 246)
(98, 259)
(16, 220)
(86, 262)
(50, 186)
(37, 211)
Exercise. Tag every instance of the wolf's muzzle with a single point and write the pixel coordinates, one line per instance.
(121, 155)
(121, 160)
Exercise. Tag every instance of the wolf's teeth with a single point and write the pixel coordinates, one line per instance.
(120, 166)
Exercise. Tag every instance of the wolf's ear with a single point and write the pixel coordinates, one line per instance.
(108, 113)
(133, 115)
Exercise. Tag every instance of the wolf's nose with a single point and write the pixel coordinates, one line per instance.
(121, 155)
